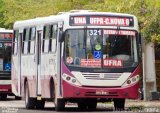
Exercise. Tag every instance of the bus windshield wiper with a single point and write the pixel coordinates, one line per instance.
(84, 40)
(84, 37)
(113, 42)
(116, 36)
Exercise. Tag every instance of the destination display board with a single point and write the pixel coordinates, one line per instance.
(101, 20)
(6, 35)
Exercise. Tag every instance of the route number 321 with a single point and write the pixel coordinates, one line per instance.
(94, 32)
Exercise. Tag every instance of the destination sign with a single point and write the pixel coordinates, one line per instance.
(119, 32)
(101, 20)
(6, 35)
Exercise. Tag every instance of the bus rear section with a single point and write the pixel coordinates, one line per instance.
(5, 62)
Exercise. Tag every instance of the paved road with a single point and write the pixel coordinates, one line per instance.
(17, 106)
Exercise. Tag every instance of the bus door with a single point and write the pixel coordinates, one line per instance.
(19, 61)
(59, 56)
(38, 60)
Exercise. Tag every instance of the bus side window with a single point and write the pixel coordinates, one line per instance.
(46, 34)
(15, 42)
(52, 38)
(32, 40)
(25, 45)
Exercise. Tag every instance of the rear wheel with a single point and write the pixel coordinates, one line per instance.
(29, 102)
(52, 89)
(119, 104)
(3, 96)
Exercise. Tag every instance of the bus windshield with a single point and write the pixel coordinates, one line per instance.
(99, 48)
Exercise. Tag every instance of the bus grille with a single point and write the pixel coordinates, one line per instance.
(102, 76)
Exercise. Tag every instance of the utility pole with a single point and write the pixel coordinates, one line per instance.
(149, 75)
(143, 62)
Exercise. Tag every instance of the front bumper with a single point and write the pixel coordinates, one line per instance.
(71, 91)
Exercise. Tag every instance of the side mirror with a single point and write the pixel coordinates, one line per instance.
(61, 36)
(140, 38)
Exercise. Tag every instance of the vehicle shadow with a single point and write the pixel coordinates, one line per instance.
(74, 109)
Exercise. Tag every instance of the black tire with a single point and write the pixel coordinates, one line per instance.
(87, 104)
(141, 97)
(92, 104)
(40, 104)
(52, 89)
(82, 106)
(119, 104)
(59, 105)
(3, 96)
(29, 102)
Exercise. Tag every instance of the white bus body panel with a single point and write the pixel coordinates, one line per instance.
(14, 74)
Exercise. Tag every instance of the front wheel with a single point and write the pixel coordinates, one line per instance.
(87, 104)
(119, 104)
(59, 104)
(29, 102)
(17, 98)
(92, 104)
(82, 106)
(40, 104)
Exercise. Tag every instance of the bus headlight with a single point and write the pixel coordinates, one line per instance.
(73, 80)
(131, 81)
(70, 79)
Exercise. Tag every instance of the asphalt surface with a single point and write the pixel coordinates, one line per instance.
(132, 106)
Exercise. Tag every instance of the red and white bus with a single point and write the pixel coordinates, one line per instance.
(5, 62)
(79, 56)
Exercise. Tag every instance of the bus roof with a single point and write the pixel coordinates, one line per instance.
(62, 16)
(3, 30)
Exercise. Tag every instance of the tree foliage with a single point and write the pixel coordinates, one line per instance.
(147, 11)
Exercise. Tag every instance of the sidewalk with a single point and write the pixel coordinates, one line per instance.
(134, 104)
(137, 103)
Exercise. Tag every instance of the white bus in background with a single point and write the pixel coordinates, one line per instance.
(81, 56)
(6, 36)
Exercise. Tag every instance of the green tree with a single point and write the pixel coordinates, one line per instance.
(1, 14)
(148, 12)
(14, 10)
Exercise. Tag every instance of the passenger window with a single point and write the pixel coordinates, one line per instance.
(46, 32)
(52, 39)
(25, 45)
(15, 42)
(31, 45)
